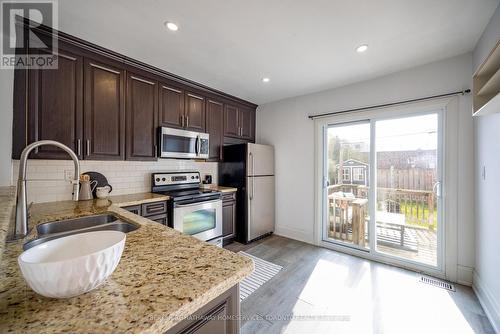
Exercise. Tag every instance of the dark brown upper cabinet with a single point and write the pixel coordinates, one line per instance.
(194, 113)
(107, 106)
(239, 122)
(171, 110)
(141, 117)
(247, 124)
(181, 109)
(214, 127)
(55, 106)
(231, 121)
(104, 111)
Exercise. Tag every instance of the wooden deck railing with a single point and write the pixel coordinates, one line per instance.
(418, 206)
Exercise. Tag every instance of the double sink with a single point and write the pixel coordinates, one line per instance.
(58, 229)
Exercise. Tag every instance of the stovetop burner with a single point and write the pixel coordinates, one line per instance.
(187, 192)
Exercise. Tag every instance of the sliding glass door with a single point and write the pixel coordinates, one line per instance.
(381, 191)
(407, 187)
(347, 183)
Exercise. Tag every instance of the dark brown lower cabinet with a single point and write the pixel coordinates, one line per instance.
(219, 316)
(161, 219)
(155, 211)
(228, 217)
(136, 209)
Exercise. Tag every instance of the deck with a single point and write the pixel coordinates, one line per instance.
(419, 244)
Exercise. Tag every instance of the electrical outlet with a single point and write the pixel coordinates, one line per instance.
(69, 175)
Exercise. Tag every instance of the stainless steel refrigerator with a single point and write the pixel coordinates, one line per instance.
(250, 168)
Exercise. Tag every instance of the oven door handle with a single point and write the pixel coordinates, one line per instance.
(196, 203)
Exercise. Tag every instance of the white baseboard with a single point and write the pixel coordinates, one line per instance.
(464, 275)
(488, 302)
(293, 233)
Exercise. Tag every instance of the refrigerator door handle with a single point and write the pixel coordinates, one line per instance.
(250, 155)
(253, 182)
(253, 188)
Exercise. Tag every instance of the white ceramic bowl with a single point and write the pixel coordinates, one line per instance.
(72, 265)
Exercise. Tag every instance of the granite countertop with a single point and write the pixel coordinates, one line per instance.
(163, 276)
(219, 188)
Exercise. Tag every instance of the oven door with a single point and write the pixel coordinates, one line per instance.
(202, 220)
(175, 143)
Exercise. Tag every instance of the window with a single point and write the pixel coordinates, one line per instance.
(358, 174)
(346, 176)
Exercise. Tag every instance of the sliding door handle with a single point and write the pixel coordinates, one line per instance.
(437, 189)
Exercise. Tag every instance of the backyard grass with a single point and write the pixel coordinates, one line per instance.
(410, 211)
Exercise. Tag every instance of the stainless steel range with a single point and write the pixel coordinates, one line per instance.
(192, 210)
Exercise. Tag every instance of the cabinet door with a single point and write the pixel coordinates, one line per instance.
(55, 109)
(142, 111)
(211, 323)
(228, 219)
(194, 112)
(104, 111)
(161, 219)
(214, 129)
(247, 119)
(219, 316)
(136, 209)
(231, 121)
(154, 209)
(171, 106)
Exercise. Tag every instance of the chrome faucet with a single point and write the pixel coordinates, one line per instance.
(21, 208)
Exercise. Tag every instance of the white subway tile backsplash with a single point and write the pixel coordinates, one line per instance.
(126, 177)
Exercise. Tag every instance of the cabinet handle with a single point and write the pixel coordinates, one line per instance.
(88, 147)
(155, 148)
(187, 121)
(182, 120)
(78, 147)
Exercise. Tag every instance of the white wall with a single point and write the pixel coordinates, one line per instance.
(487, 149)
(285, 125)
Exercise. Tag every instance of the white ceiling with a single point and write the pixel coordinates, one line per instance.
(303, 46)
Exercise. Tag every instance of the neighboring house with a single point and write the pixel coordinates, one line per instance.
(355, 172)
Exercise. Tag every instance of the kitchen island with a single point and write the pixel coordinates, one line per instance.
(162, 280)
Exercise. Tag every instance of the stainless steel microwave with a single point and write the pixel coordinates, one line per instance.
(175, 143)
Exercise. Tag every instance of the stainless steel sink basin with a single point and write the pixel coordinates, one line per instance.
(63, 228)
(74, 224)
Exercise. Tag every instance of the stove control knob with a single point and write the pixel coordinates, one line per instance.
(197, 177)
(192, 177)
(164, 179)
(157, 179)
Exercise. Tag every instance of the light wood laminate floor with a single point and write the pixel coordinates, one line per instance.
(323, 291)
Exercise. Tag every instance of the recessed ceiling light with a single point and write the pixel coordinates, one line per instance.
(362, 48)
(171, 26)
(266, 79)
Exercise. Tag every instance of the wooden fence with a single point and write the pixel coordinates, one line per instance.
(412, 178)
